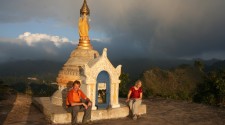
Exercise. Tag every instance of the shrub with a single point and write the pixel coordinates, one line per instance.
(19, 87)
(124, 84)
(212, 90)
(178, 83)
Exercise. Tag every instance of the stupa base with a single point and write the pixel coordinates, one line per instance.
(61, 115)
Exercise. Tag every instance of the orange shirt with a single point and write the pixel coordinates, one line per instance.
(74, 97)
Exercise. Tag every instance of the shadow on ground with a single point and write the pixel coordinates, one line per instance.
(7, 99)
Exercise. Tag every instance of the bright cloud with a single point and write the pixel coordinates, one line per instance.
(35, 47)
(41, 47)
(32, 39)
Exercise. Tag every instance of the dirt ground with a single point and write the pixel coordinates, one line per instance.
(21, 111)
(17, 109)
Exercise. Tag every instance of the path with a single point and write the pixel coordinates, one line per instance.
(23, 112)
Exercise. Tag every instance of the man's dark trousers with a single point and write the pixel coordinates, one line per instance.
(76, 109)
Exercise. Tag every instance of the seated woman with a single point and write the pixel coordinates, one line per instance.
(134, 98)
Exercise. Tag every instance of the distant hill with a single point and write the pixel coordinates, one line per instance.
(36, 67)
(29, 67)
(134, 67)
(216, 65)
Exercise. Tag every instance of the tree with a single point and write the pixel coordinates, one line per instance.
(123, 88)
(212, 90)
(199, 64)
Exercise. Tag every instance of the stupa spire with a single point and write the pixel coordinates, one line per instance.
(84, 9)
(83, 26)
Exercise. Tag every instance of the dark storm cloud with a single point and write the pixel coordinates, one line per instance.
(168, 29)
(146, 28)
(64, 11)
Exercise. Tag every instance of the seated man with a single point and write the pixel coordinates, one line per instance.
(78, 102)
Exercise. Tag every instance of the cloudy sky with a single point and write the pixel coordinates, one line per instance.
(173, 29)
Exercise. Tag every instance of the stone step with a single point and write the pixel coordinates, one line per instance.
(61, 115)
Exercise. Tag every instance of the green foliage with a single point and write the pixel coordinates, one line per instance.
(1, 82)
(124, 84)
(177, 83)
(5, 91)
(35, 89)
(199, 64)
(39, 87)
(19, 87)
(11, 80)
(146, 91)
(212, 90)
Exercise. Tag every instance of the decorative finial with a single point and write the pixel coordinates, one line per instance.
(84, 9)
(104, 53)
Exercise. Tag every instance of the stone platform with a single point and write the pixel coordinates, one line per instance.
(60, 115)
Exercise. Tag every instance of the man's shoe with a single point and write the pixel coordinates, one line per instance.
(87, 122)
(75, 124)
(138, 116)
(135, 117)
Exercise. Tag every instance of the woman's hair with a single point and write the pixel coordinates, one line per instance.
(137, 82)
(76, 82)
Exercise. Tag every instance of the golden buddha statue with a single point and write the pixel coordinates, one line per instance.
(83, 27)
